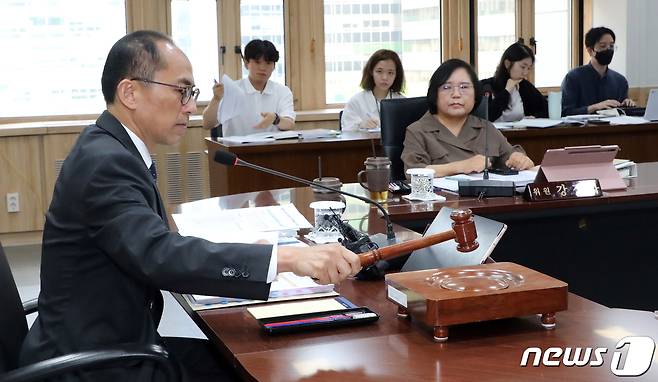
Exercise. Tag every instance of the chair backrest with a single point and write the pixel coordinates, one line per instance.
(13, 325)
(483, 109)
(395, 116)
(340, 121)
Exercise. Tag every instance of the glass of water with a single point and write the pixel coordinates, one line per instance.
(421, 182)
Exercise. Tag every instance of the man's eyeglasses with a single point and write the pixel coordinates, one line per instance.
(462, 88)
(186, 92)
(601, 48)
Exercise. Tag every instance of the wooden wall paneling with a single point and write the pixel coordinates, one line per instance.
(148, 14)
(21, 159)
(183, 168)
(588, 19)
(576, 34)
(455, 30)
(307, 55)
(525, 22)
(640, 95)
(56, 148)
(230, 36)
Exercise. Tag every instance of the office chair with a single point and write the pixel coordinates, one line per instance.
(340, 121)
(13, 329)
(395, 115)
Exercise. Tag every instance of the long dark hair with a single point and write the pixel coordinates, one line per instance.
(441, 75)
(368, 81)
(513, 53)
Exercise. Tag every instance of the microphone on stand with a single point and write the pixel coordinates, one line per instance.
(354, 240)
(230, 159)
(486, 187)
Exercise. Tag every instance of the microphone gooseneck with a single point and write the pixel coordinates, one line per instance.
(485, 174)
(230, 159)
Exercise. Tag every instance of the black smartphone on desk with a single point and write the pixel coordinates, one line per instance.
(399, 187)
(318, 320)
(503, 171)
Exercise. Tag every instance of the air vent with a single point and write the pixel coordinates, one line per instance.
(194, 183)
(174, 178)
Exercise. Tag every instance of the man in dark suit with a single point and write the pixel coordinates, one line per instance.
(107, 248)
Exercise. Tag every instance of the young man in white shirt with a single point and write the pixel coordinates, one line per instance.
(272, 100)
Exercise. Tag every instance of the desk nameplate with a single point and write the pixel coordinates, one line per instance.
(568, 189)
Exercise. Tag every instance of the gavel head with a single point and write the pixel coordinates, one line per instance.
(464, 227)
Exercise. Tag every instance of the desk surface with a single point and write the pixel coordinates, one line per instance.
(343, 156)
(394, 349)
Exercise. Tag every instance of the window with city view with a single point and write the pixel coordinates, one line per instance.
(496, 30)
(54, 55)
(194, 29)
(553, 34)
(263, 19)
(354, 29)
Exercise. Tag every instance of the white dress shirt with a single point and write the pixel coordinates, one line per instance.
(514, 111)
(362, 106)
(275, 98)
(146, 156)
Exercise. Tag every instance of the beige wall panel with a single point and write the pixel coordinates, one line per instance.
(55, 149)
(148, 14)
(21, 171)
(306, 66)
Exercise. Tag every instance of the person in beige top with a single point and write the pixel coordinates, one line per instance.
(450, 140)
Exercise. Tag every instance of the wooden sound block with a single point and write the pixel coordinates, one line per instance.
(450, 296)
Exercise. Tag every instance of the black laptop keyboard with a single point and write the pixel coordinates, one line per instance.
(632, 111)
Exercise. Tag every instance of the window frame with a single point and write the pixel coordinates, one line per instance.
(525, 24)
(304, 54)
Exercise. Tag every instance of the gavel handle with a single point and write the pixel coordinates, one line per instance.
(373, 256)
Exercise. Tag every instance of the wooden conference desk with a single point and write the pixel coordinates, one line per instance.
(605, 248)
(637, 142)
(343, 157)
(400, 350)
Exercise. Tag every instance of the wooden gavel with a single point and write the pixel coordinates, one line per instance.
(463, 231)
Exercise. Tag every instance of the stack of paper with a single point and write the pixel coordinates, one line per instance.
(529, 122)
(219, 225)
(269, 136)
(272, 224)
(626, 168)
(286, 286)
(626, 120)
(451, 183)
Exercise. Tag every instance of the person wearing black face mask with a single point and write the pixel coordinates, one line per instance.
(595, 86)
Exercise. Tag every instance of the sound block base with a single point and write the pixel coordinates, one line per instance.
(441, 298)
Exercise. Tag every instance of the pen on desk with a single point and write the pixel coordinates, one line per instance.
(330, 318)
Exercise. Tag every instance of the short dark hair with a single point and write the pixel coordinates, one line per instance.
(594, 35)
(135, 55)
(368, 81)
(257, 49)
(514, 53)
(441, 75)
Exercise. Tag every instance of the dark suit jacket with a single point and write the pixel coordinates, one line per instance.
(108, 251)
(534, 103)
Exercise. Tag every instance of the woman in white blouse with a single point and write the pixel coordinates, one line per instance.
(383, 77)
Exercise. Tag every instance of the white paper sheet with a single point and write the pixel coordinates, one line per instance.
(529, 122)
(258, 219)
(234, 103)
